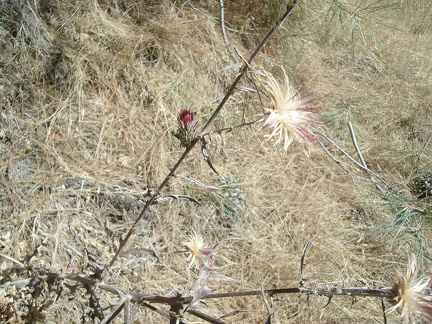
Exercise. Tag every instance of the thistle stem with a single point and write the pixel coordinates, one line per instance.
(152, 199)
(386, 292)
(205, 129)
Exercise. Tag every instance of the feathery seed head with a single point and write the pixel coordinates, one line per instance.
(199, 254)
(290, 114)
(411, 299)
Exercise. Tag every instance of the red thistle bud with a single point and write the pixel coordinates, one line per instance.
(187, 127)
(186, 117)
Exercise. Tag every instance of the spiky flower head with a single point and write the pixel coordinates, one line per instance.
(187, 127)
(412, 300)
(291, 114)
(199, 253)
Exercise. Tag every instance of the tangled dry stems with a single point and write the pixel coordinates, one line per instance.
(89, 99)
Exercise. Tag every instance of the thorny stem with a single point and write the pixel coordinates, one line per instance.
(382, 293)
(385, 292)
(249, 62)
(205, 129)
(356, 291)
(152, 199)
(178, 300)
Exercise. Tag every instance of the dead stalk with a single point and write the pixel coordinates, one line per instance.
(205, 129)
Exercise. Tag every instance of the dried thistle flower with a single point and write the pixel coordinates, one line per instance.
(187, 127)
(199, 254)
(412, 300)
(291, 115)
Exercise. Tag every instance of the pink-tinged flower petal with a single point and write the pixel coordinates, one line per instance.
(290, 115)
(199, 253)
(186, 117)
(186, 128)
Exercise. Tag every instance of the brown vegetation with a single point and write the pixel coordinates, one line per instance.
(90, 94)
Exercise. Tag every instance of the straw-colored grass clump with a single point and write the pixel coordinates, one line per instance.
(90, 96)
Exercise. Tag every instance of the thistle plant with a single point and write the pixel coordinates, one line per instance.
(187, 124)
(412, 296)
(199, 253)
(290, 117)
(187, 127)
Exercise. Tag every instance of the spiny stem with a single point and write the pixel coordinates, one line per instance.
(205, 129)
(249, 62)
(384, 292)
(152, 199)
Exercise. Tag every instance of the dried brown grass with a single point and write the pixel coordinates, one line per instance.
(89, 98)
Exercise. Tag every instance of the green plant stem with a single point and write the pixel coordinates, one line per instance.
(205, 129)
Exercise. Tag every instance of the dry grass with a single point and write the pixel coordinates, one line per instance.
(90, 95)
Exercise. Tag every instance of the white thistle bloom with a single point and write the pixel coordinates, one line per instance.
(199, 254)
(412, 300)
(290, 114)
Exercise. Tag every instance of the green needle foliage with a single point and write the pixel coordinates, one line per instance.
(348, 22)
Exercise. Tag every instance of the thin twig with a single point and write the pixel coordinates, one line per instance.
(197, 182)
(152, 199)
(215, 20)
(342, 151)
(343, 167)
(354, 139)
(269, 310)
(251, 59)
(363, 162)
(203, 131)
(224, 35)
(384, 311)
(204, 316)
(230, 128)
(22, 265)
(157, 310)
(360, 165)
